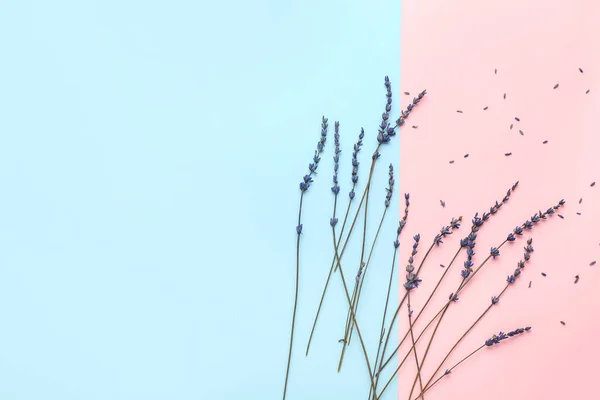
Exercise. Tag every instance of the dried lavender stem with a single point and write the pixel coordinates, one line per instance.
(393, 320)
(464, 335)
(442, 310)
(364, 275)
(353, 316)
(312, 331)
(451, 368)
(287, 372)
(424, 306)
(387, 298)
(356, 294)
(412, 338)
(345, 342)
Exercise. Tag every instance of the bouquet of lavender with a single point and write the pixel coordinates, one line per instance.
(378, 364)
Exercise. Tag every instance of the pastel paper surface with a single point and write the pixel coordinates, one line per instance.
(452, 49)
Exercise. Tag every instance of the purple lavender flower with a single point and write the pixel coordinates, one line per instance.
(390, 189)
(495, 339)
(404, 114)
(299, 229)
(355, 162)
(333, 221)
(336, 158)
(313, 166)
(494, 252)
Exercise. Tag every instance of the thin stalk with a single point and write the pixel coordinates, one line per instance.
(387, 299)
(312, 331)
(461, 286)
(412, 338)
(364, 275)
(424, 306)
(354, 317)
(348, 333)
(396, 314)
(450, 369)
(463, 336)
(287, 372)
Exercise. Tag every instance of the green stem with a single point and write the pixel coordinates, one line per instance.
(412, 338)
(312, 331)
(387, 299)
(362, 343)
(451, 369)
(287, 372)
(364, 274)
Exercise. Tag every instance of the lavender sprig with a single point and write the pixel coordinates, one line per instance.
(454, 224)
(467, 242)
(357, 292)
(495, 299)
(304, 185)
(333, 268)
(495, 339)
(401, 225)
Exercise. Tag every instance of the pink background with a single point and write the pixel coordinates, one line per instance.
(451, 48)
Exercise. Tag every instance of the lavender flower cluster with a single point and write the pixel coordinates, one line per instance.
(495, 339)
(355, 163)
(412, 280)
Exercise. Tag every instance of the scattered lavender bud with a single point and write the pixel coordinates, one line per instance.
(580, 200)
(442, 265)
(529, 284)
(580, 70)
(578, 213)
(592, 263)
(521, 132)
(587, 91)
(495, 71)
(466, 155)
(415, 126)
(507, 154)
(556, 86)
(407, 93)
(504, 96)
(511, 126)
(544, 142)
(592, 184)
(459, 111)
(517, 119)
(563, 323)
(451, 161)
(576, 278)
(485, 108)
(443, 203)
(560, 216)
(543, 274)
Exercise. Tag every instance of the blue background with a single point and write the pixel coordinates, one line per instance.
(150, 156)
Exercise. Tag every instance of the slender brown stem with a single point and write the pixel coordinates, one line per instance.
(424, 306)
(362, 343)
(287, 372)
(364, 274)
(451, 369)
(412, 338)
(387, 298)
(464, 335)
(312, 331)
(461, 286)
